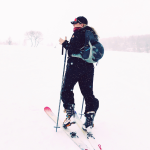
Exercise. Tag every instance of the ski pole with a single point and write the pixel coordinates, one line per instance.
(61, 87)
(82, 108)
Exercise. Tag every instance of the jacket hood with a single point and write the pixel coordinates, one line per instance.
(87, 28)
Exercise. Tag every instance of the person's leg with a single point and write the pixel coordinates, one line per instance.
(92, 104)
(86, 87)
(71, 78)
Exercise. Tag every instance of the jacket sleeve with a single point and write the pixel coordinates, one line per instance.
(66, 44)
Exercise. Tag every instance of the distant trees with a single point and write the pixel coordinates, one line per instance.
(133, 43)
(9, 41)
(140, 43)
(35, 37)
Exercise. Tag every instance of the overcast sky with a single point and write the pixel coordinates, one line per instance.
(52, 17)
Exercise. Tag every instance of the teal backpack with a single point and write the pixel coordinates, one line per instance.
(93, 50)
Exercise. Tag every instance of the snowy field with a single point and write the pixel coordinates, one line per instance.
(30, 79)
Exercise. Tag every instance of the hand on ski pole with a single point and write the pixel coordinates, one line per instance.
(62, 41)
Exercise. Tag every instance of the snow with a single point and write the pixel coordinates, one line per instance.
(30, 79)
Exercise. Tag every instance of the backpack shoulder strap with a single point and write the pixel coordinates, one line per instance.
(90, 36)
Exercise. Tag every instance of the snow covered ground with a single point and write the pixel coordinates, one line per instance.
(30, 79)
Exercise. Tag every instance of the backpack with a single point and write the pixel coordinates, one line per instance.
(93, 50)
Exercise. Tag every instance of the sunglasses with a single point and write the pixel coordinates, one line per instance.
(77, 21)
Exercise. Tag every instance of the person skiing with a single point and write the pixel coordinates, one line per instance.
(80, 71)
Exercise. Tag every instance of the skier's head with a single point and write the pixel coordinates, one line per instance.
(79, 25)
(79, 22)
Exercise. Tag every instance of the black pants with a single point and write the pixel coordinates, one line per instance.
(82, 72)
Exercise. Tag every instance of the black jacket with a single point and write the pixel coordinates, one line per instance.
(79, 40)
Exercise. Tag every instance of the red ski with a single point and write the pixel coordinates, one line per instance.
(72, 135)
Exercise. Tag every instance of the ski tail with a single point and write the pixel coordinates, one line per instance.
(89, 137)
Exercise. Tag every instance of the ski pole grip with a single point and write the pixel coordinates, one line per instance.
(62, 50)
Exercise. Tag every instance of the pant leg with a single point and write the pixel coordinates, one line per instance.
(72, 76)
(86, 87)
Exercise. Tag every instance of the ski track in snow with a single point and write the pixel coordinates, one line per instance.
(30, 79)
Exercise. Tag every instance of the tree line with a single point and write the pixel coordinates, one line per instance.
(140, 43)
(34, 38)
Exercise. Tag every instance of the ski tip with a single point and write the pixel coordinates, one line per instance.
(47, 109)
(100, 147)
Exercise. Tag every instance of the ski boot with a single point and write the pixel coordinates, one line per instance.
(70, 116)
(88, 125)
